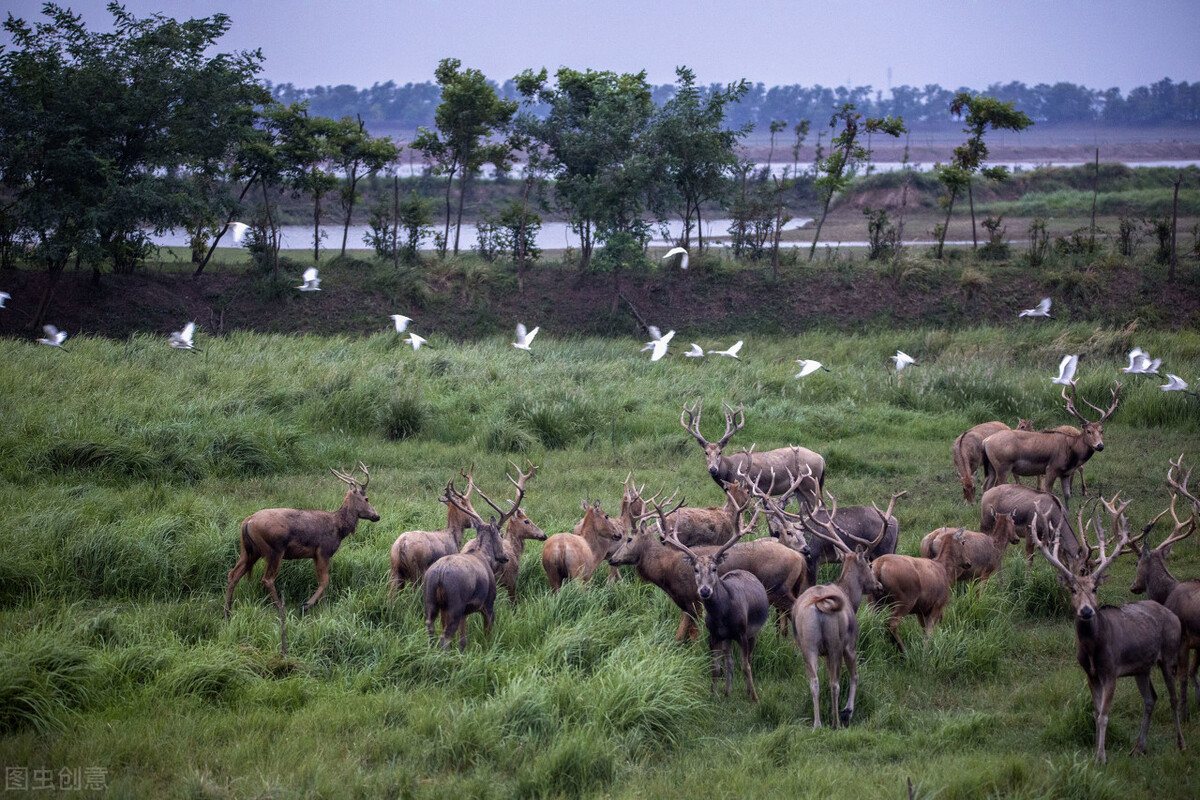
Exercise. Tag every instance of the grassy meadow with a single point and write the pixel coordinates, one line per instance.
(126, 467)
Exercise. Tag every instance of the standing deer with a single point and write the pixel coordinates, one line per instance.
(967, 452)
(520, 528)
(985, 551)
(1023, 503)
(462, 583)
(287, 533)
(1055, 455)
(825, 621)
(575, 556)
(715, 526)
(414, 551)
(735, 607)
(919, 586)
(1181, 597)
(724, 469)
(1115, 641)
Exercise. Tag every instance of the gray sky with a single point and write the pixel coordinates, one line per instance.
(1098, 43)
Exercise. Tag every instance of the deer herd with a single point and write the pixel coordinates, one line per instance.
(703, 561)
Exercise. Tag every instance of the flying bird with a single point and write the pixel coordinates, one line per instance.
(658, 342)
(401, 322)
(54, 337)
(182, 340)
(1042, 309)
(696, 352)
(4, 296)
(808, 367)
(677, 251)
(1066, 370)
(1174, 384)
(239, 230)
(414, 340)
(524, 338)
(731, 352)
(311, 282)
(902, 360)
(1139, 359)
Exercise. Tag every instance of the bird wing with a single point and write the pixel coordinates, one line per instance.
(310, 274)
(188, 331)
(733, 351)
(683, 261)
(696, 350)
(1066, 368)
(668, 337)
(50, 331)
(807, 367)
(674, 251)
(660, 349)
(1044, 306)
(655, 333)
(531, 334)
(522, 335)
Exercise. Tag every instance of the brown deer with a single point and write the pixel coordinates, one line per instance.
(711, 526)
(1054, 455)
(724, 469)
(919, 586)
(735, 606)
(575, 556)
(1023, 502)
(463, 583)
(1115, 641)
(1181, 597)
(825, 622)
(414, 551)
(967, 451)
(985, 551)
(520, 529)
(276, 534)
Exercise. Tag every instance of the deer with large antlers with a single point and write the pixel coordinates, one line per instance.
(967, 451)
(520, 529)
(414, 551)
(464, 583)
(1115, 641)
(735, 606)
(1182, 597)
(825, 622)
(276, 534)
(1054, 455)
(761, 468)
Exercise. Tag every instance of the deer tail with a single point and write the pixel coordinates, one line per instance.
(248, 547)
(964, 469)
(830, 603)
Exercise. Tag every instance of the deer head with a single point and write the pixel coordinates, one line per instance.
(1092, 432)
(734, 422)
(1083, 581)
(356, 497)
(1154, 558)
(704, 567)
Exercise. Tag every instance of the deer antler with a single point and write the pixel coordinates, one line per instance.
(349, 479)
(1106, 414)
(692, 425)
(1181, 486)
(1121, 525)
(1103, 414)
(520, 484)
(1039, 520)
(730, 427)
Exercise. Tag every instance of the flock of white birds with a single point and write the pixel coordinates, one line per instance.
(1140, 362)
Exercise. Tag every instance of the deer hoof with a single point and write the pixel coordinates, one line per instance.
(845, 716)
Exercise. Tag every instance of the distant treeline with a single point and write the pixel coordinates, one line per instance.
(1165, 102)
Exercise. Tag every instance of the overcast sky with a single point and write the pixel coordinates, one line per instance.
(954, 43)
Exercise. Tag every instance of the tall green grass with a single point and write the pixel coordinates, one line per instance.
(126, 469)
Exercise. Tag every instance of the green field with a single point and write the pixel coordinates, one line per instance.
(125, 468)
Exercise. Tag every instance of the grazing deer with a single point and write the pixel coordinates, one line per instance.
(1115, 641)
(520, 528)
(575, 556)
(711, 526)
(463, 583)
(735, 606)
(967, 452)
(287, 533)
(761, 468)
(1022, 503)
(1055, 455)
(919, 586)
(985, 551)
(414, 551)
(1182, 597)
(825, 622)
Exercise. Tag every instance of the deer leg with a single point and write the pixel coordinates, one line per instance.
(321, 562)
(833, 664)
(1169, 669)
(1149, 698)
(747, 648)
(273, 562)
(462, 633)
(851, 656)
(1102, 694)
(430, 615)
(893, 626)
(718, 658)
(811, 657)
(1186, 674)
(449, 628)
(727, 648)
(243, 567)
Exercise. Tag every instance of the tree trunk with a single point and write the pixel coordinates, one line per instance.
(446, 231)
(945, 226)
(462, 197)
(1095, 191)
(396, 221)
(699, 232)
(971, 200)
(817, 234)
(273, 242)
(778, 232)
(1174, 225)
(349, 207)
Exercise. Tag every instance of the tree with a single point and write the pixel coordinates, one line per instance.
(845, 155)
(777, 125)
(104, 135)
(695, 148)
(357, 154)
(982, 112)
(470, 113)
(592, 143)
